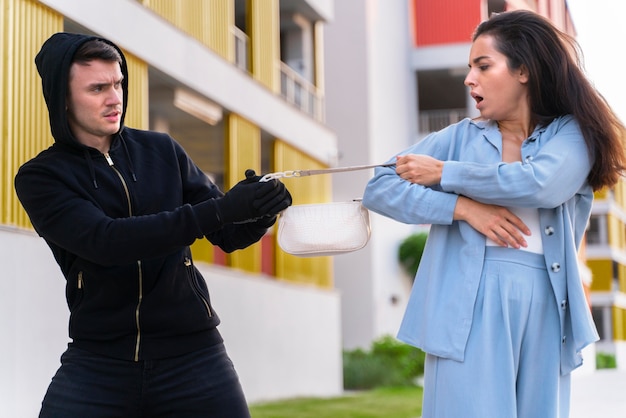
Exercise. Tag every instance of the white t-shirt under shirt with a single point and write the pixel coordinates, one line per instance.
(530, 216)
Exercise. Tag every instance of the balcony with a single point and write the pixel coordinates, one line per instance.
(435, 120)
(301, 93)
(241, 48)
(293, 87)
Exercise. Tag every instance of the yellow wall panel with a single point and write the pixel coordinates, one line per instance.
(619, 323)
(24, 127)
(24, 123)
(617, 193)
(243, 151)
(264, 24)
(314, 189)
(170, 10)
(621, 274)
(208, 21)
(615, 230)
(620, 193)
(601, 194)
(602, 271)
(202, 250)
(221, 18)
(137, 114)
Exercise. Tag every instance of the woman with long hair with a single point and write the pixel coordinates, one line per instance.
(498, 303)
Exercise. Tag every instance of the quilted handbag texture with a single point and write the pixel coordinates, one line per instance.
(324, 229)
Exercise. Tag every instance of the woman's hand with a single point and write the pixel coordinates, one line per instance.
(420, 169)
(495, 222)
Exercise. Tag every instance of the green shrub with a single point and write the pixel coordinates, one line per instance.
(605, 361)
(410, 252)
(408, 359)
(362, 371)
(388, 363)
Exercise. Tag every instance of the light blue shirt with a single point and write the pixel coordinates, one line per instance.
(551, 177)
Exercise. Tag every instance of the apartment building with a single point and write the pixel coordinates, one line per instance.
(240, 84)
(606, 257)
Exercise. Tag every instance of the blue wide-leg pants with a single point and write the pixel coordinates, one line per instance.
(512, 359)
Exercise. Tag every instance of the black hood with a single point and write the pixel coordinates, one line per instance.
(53, 64)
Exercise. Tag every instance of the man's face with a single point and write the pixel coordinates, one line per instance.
(95, 102)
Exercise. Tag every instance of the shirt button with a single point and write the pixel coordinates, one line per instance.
(528, 158)
(563, 304)
(549, 230)
(556, 267)
(563, 339)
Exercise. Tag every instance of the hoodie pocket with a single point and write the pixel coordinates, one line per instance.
(193, 281)
(75, 296)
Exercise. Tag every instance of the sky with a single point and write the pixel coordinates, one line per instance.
(601, 33)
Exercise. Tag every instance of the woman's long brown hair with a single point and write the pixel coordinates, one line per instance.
(557, 86)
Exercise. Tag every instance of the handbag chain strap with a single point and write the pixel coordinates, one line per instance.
(303, 173)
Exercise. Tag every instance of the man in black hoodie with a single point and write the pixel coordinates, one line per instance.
(119, 208)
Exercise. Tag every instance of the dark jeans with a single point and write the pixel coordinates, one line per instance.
(200, 384)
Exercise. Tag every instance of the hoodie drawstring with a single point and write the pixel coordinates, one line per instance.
(92, 170)
(130, 160)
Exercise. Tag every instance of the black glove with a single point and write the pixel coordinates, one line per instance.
(272, 202)
(250, 200)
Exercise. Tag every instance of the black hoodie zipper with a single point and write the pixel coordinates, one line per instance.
(140, 272)
(192, 278)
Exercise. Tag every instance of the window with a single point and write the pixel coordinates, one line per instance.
(197, 125)
(602, 318)
(596, 232)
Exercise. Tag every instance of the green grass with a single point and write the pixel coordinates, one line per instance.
(403, 402)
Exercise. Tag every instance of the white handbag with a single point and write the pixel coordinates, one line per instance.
(323, 229)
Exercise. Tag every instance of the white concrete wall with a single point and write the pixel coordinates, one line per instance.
(393, 119)
(323, 7)
(33, 322)
(285, 340)
(372, 106)
(620, 354)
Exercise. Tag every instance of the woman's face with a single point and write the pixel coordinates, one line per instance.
(500, 93)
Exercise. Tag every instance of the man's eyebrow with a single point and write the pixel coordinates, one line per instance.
(99, 85)
(119, 80)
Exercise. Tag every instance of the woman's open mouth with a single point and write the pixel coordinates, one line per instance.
(477, 98)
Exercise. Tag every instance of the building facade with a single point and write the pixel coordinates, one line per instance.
(240, 84)
(606, 254)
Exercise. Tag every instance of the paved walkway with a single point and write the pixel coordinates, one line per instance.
(599, 394)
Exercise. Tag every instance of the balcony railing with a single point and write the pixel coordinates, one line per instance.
(241, 48)
(293, 87)
(434, 120)
(301, 93)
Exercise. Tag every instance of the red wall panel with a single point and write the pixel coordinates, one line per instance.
(438, 22)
